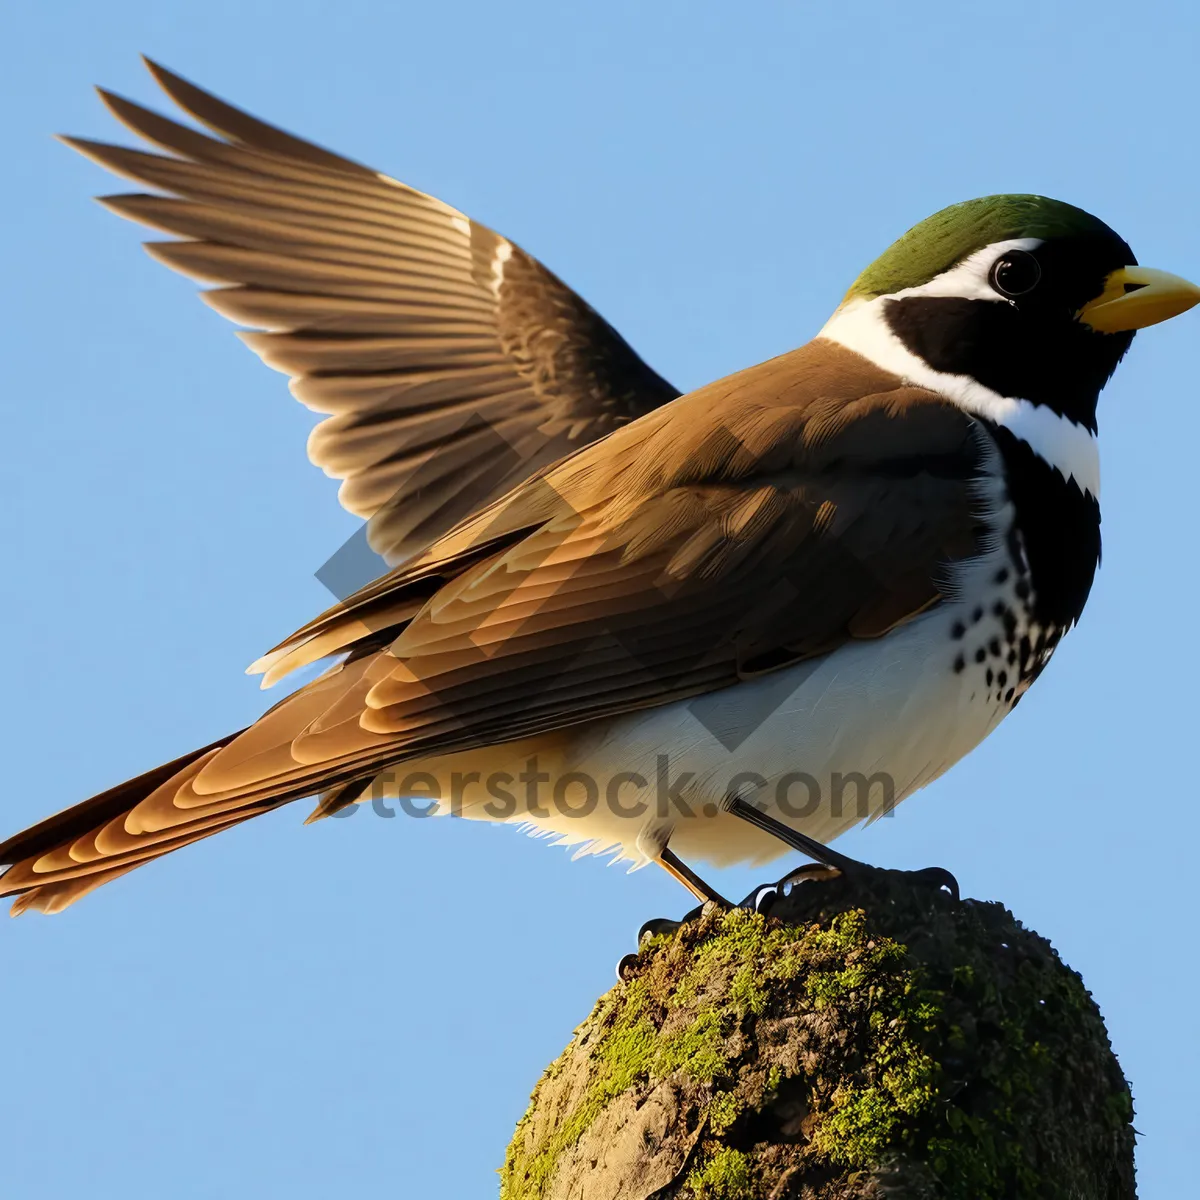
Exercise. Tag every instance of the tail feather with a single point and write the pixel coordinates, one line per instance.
(63, 858)
(79, 818)
(59, 860)
(54, 897)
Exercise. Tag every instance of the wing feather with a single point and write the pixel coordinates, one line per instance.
(413, 326)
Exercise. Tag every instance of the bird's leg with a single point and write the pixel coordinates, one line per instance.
(682, 873)
(937, 877)
(704, 892)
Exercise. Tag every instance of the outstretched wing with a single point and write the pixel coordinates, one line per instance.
(763, 520)
(452, 364)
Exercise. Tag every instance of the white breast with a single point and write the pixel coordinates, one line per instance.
(823, 746)
(804, 742)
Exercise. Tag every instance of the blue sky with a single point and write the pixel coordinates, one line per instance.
(364, 1005)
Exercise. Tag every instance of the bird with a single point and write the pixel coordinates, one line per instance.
(674, 628)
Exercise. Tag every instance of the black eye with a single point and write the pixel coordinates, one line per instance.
(1015, 273)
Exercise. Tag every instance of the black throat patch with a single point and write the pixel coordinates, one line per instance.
(1057, 363)
(1060, 531)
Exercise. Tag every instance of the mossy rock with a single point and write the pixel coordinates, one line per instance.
(887, 1041)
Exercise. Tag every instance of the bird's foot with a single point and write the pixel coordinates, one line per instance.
(662, 926)
(764, 897)
(853, 871)
(826, 860)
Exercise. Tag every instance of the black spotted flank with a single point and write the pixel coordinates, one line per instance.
(1060, 532)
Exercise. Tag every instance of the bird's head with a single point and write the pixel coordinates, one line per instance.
(1024, 296)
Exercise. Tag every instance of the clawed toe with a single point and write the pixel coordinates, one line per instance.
(809, 873)
(936, 877)
(657, 927)
(626, 966)
(764, 898)
(761, 899)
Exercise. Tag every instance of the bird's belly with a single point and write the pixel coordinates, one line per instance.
(822, 745)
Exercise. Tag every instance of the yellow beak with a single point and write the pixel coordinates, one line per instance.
(1135, 297)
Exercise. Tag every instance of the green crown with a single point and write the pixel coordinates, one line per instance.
(949, 236)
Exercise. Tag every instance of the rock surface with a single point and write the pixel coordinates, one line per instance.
(857, 1042)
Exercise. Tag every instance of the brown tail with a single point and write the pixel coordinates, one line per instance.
(311, 743)
(64, 857)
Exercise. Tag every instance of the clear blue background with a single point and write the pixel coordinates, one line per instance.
(361, 1008)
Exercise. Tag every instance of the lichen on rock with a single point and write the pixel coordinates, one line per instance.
(855, 1042)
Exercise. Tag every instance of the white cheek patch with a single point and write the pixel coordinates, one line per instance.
(861, 326)
(968, 280)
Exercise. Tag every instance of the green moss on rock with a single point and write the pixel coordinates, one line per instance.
(852, 1039)
(726, 1175)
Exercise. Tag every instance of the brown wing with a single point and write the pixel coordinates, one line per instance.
(756, 522)
(759, 521)
(453, 365)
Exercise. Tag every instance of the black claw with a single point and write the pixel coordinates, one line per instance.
(657, 926)
(939, 878)
(935, 877)
(660, 925)
(762, 899)
(809, 873)
(625, 967)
